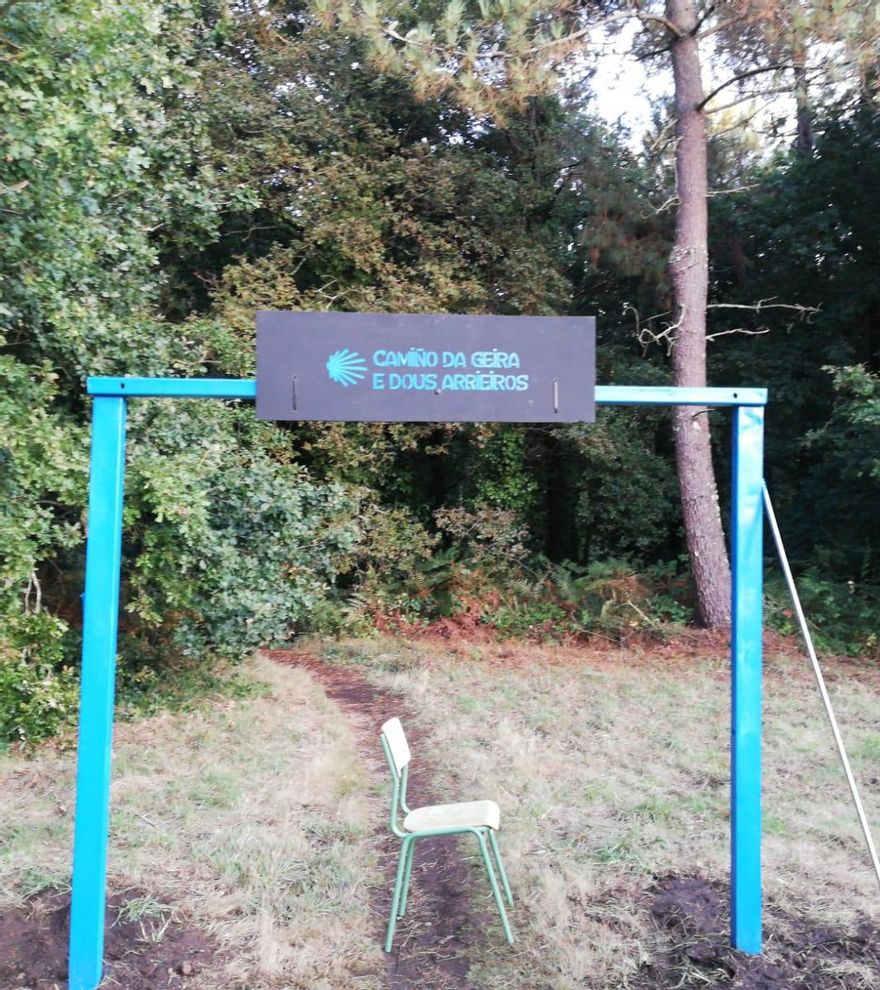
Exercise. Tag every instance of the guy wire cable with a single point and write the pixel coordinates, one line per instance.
(808, 639)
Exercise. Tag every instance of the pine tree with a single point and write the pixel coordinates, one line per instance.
(497, 54)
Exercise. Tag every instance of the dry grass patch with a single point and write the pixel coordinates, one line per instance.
(613, 774)
(253, 819)
(250, 818)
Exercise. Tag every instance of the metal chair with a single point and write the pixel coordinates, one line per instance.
(481, 818)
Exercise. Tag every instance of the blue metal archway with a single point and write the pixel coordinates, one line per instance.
(101, 613)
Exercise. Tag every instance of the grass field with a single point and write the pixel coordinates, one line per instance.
(250, 817)
(613, 771)
(255, 817)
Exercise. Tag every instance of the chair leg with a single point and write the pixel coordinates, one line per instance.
(496, 893)
(407, 874)
(494, 843)
(395, 899)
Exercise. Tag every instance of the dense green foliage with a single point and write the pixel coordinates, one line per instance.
(108, 171)
(805, 234)
(170, 168)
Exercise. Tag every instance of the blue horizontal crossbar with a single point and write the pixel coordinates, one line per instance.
(174, 388)
(606, 395)
(670, 395)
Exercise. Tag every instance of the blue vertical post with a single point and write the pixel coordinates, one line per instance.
(100, 622)
(746, 649)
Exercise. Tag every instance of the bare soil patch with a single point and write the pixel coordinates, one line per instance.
(692, 915)
(150, 953)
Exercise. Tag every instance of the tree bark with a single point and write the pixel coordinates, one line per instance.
(689, 269)
(805, 141)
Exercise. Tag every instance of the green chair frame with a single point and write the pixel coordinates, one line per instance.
(479, 818)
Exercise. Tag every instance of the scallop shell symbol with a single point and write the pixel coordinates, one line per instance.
(346, 367)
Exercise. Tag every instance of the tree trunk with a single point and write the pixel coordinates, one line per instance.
(689, 269)
(805, 140)
(796, 15)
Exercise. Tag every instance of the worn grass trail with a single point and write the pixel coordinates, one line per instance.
(433, 942)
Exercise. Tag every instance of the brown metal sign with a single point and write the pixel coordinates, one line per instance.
(391, 368)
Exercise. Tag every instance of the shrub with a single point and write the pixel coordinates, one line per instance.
(38, 695)
(843, 486)
(400, 569)
(608, 597)
(229, 548)
(487, 538)
(842, 615)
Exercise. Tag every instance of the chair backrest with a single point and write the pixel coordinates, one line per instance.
(398, 747)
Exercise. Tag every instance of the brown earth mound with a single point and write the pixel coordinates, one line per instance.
(150, 953)
(693, 914)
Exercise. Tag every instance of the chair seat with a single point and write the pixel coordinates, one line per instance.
(465, 814)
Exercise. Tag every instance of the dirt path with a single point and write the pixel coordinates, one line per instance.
(431, 943)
